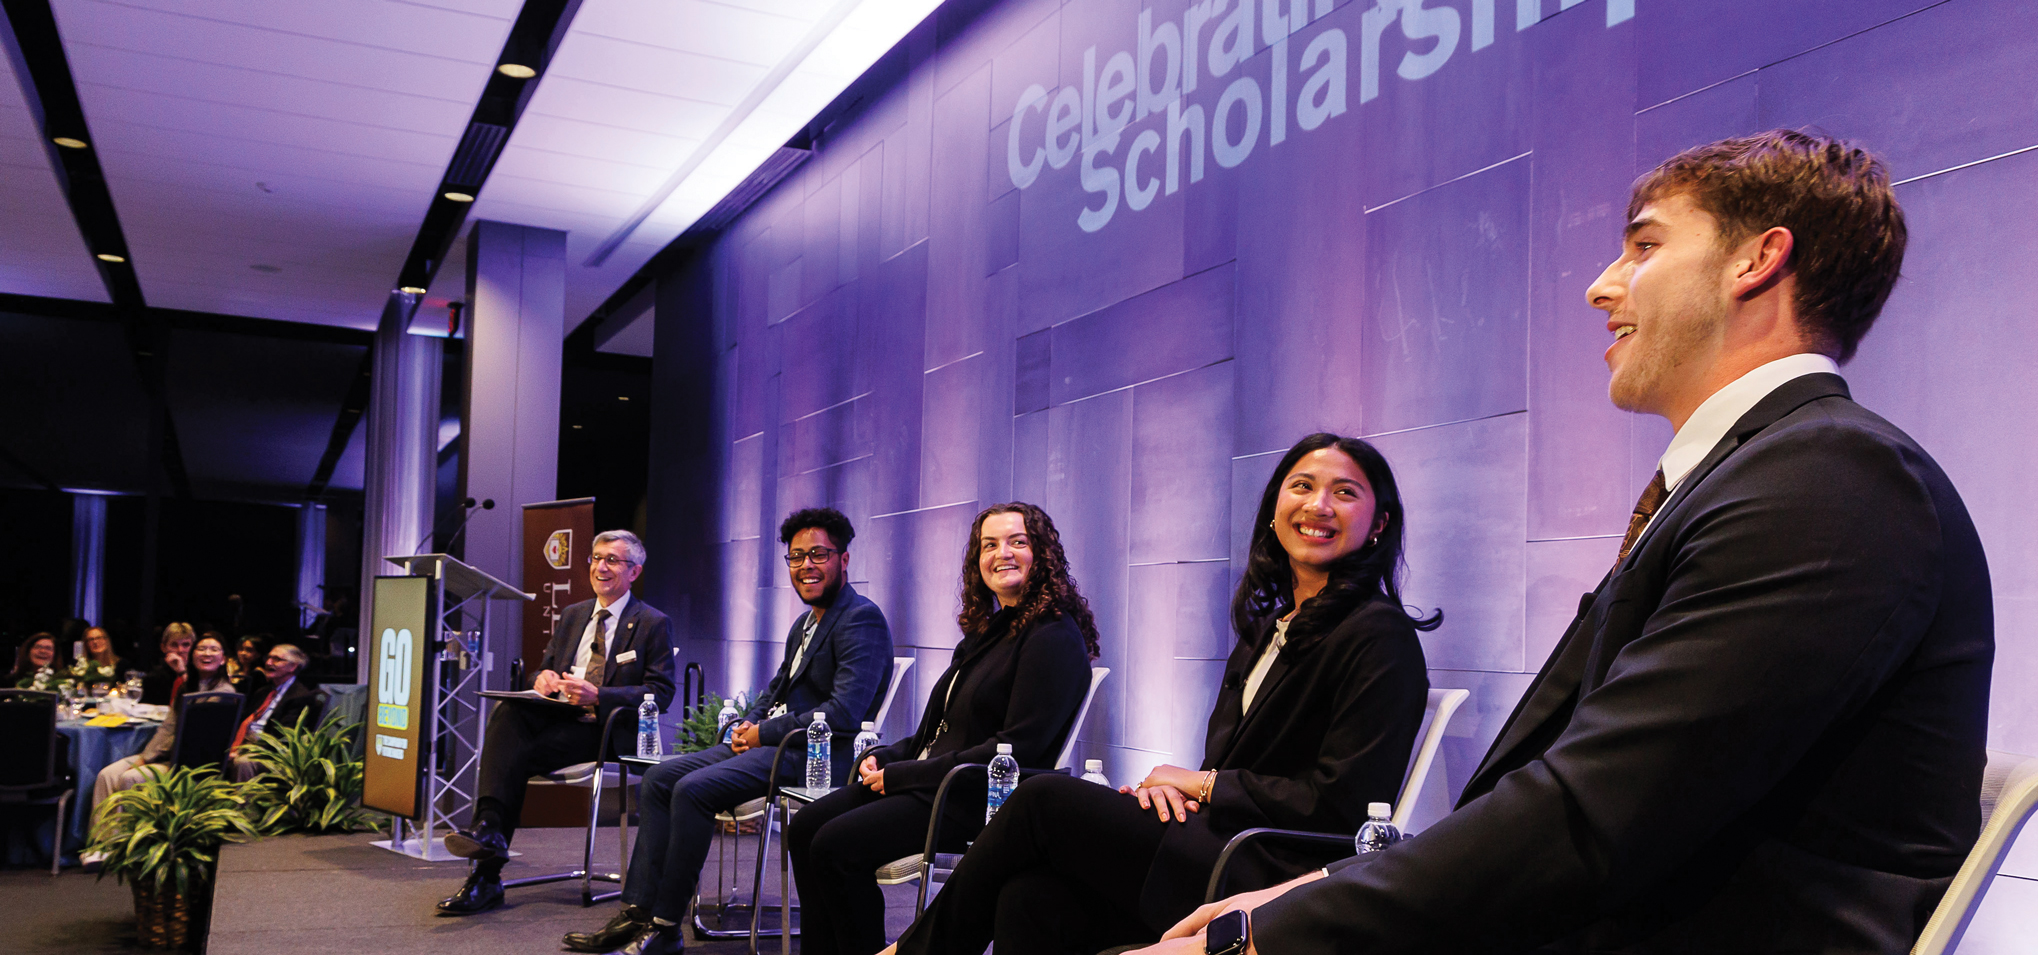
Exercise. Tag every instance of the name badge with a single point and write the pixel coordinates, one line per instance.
(626, 656)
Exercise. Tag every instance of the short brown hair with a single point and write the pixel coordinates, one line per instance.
(1848, 232)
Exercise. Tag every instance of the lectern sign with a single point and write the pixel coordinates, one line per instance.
(397, 719)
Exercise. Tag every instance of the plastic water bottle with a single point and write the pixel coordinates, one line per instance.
(1093, 772)
(1004, 773)
(1378, 833)
(724, 718)
(649, 745)
(817, 752)
(865, 740)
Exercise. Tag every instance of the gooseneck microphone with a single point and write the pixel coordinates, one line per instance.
(467, 509)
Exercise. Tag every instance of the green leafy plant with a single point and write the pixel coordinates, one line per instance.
(698, 731)
(310, 780)
(165, 832)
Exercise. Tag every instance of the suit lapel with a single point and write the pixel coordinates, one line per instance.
(822, 632)
(1559, 680)
(1228, 717)
(624, 639)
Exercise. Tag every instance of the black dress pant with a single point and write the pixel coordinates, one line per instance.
(837, 845)
(1059, 870)
(523, 741)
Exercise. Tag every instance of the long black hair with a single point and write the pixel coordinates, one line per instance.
(1373, 571)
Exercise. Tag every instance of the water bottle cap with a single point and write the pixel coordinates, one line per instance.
(650, 696)
(820, 716)
(869, 725)
(1379, 810)
(1093, 765)
(1004, 749)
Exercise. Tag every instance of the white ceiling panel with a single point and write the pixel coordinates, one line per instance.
(307, 138)
(41, 252)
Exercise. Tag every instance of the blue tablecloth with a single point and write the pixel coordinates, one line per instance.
(92, 747)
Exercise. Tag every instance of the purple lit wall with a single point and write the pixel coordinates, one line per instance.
(903, 331)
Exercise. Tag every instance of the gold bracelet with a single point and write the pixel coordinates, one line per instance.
(1209, 780)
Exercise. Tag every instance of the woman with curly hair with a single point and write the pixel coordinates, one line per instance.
(1317, 714)
(1018, 677)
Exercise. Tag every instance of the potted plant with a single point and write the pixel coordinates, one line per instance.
(310, 781)
(162, 837)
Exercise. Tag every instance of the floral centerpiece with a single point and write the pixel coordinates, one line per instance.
(87, 673)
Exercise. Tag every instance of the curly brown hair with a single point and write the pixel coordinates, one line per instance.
(1049, 588)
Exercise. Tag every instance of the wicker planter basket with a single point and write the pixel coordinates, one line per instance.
(166, 918)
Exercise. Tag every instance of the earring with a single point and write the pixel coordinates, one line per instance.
(1375, 542)
(1270, 525)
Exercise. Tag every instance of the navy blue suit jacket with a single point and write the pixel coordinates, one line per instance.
(844, 673)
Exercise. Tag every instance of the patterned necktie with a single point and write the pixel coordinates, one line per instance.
(1652, 498)
(597, 656)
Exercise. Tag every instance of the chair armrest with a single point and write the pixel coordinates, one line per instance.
(1240, 841)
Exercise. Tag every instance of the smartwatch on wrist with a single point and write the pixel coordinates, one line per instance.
(1227, 934)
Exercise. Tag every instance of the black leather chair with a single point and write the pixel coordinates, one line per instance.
(206, 723)
(35, 761)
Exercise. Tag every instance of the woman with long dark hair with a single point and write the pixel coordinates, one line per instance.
(206, 673)
(37, 654)
(1018, 677)
(1317, 714)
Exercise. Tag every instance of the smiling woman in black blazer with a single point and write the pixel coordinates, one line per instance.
(1017, 677)
(1316, 717)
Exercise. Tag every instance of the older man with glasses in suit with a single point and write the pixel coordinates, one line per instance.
(606, 652)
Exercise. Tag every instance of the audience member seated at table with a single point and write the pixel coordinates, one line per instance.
(606, 653)
(1017, 677)
(1319, 708)
(176, 647)
(37, 664)
(838, 660)
(246, 666)
(292, 695)
(107, 666)
(206, 673)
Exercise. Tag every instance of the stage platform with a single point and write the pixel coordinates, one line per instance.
(311, 895)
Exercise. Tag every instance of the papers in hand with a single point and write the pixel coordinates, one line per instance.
(528, 696)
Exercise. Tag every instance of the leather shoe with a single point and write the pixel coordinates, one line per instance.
(483, 841)
(482, 891)
(619, 931)
(653, 939)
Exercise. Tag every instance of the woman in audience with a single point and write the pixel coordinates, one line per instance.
(1017, 677)
(1317, 714)
(37, 655)
(205, 674)
(246, 666)
(100, 665)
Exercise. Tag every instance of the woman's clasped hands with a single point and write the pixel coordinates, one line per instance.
(1172, 791)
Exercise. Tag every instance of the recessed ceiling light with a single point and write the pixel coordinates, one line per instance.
(69, 143)
(516, 71)
(459, 197)
(576, 427)
(109, 257)
(411, 290)
(622, 397)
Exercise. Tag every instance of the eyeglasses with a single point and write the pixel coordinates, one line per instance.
(610, 561)
(818, 555)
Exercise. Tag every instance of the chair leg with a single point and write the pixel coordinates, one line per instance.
(623, 826)
(587, 844)
(57, 837)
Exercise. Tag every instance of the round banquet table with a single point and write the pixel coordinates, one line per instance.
(91, 749)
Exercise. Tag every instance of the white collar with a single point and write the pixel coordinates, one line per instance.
(615, 609)
(1717, 415)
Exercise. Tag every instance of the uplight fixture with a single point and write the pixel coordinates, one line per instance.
(69, 143)
(109, 257)
(516, 71)
(459, 197)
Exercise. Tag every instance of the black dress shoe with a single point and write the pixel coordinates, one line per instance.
(483, 841)
(654, 939)
(482, 891)
(618, 932)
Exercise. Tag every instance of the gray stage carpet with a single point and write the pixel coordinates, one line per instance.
(310, 895)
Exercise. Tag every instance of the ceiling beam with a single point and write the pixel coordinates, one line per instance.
(182, 320)
(352, 408)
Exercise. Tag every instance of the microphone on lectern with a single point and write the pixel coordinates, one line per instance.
(467, 508)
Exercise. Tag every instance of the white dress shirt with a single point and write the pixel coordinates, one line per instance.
(806, 640)
(608, 636)
(1718, 414)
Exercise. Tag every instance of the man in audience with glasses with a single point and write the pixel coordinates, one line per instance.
(605, 653)
(837, 661)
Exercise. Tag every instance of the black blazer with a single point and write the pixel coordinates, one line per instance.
(1764, 732)
(1021, 689)
(1330, 731)
(300, 701)
(844, 674)
(639, 656)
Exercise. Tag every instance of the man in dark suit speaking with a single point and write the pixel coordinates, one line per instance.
(838, 661)
(605, 653)
(1765, 730)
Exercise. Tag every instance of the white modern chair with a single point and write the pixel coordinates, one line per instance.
(901, 871)
(1436, 718)
(2009, 796)
(726, 911)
